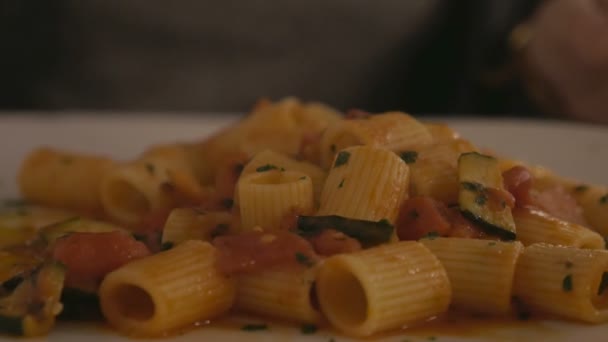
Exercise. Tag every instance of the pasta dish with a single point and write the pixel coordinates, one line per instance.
(357, 222)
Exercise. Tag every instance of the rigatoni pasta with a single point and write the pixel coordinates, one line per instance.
(293, 214)
(167, 291)
(270, 194)
(63, 179)
(480, 271)
(367, 183)
(382, 288)
(564, 281)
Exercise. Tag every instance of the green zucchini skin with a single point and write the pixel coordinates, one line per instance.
(31, 308)
(368, 233)
(79, 305)
(480, 179)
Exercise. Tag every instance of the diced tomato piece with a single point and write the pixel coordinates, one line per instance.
(558, 202)
(462, 227)
(331, 241)
(256, 250)
(90, 256)
(518, 181)
(420, 216)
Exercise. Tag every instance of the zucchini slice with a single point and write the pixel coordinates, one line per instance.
(32, 307)
(479, 197)
(76, 224)
(368, 233)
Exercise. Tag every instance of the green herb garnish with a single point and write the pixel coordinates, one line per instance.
(567, 283)
(308, 329)
(409, 157)
(166, 246)
(220, 229)
(581, 188)
(341, 183)
(150, 168)
(431, 235)
(473, 186)
(227, 203)
(481, 199)
(368, 233)
(266, 167)
(254, 327)
(342, 158)
(303, 259)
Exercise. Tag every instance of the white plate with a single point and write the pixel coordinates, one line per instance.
(579, 151)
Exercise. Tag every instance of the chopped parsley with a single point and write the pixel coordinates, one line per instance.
(166, 246)
(431, 235)
(481, 199)
(603, 284)
(304, 259)
(266, 167)
(567, 283)
(473, 186)
(341, 183)
(254, 327)
(342, 158)
(13, 203)
(220, 229)
(227, 203)
(581, 188)
(604, 199)
(308, 329)
(150, 168)
(409, 157)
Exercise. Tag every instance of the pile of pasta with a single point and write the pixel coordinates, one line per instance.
(364, 223)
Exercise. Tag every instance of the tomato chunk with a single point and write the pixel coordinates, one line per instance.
(331, 241)
(420, 216)
(558, 202)
(463, 227)
(518, 181)
(257, 250)
(90, 256)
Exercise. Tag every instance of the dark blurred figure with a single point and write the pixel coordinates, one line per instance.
(421, 56)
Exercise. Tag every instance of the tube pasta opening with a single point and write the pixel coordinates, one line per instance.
(346, 295)
(132, 302)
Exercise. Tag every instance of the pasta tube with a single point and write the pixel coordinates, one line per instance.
(62, 179)
(382, 288)
(534, 226)
(283, 293)
(481, 272)
(594, 201)
(185, 224)
(441, 132)
(564, 281)
(281, 161)
(154, 182)
(266, 197)
(394, 131)
(158, 294)
(366, 183)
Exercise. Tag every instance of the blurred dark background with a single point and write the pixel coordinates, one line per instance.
(421, 56)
